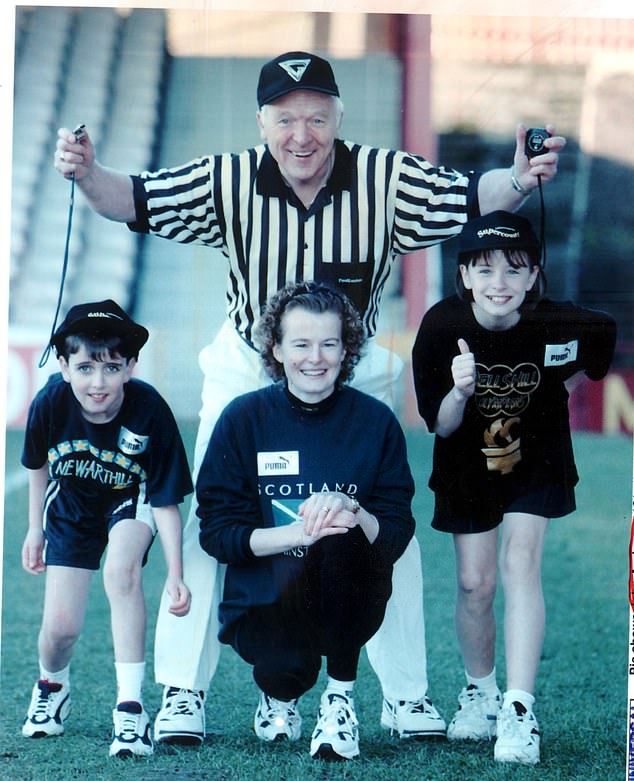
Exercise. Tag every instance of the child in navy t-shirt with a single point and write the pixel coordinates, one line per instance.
(107, 468)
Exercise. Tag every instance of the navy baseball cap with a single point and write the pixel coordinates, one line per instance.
(102, 317)
(294, 71)
(498, 230)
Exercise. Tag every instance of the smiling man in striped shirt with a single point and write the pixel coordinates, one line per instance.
(302, 205)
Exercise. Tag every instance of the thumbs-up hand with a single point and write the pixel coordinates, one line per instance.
(463, 371)
(463, 347)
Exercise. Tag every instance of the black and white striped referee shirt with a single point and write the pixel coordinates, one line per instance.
(377, 205)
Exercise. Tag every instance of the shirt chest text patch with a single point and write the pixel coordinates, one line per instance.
(278, 462)
(560, 354)
(130, 443)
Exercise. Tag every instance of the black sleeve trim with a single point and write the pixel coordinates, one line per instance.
(473, 204)
(142, 222)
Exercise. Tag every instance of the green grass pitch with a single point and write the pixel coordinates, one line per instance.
(581, 693)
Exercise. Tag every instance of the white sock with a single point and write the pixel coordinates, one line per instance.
(130, 677)
(61, 676)
(518, 695)
(286, 702)
(488, 684)
(340, 687)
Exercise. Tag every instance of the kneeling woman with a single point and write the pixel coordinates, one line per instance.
(305, 493)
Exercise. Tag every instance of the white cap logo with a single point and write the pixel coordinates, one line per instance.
(295, 68)
(502, 231)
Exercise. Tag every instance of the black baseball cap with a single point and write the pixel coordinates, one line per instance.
(100, 317)
(498, 230)
(294, 71)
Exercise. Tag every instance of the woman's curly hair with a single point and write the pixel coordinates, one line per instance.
(314, 297)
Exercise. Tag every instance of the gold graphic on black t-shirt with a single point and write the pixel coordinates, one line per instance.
(505, 390)
(502, 457)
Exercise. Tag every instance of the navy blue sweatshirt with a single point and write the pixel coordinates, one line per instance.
(267, 447)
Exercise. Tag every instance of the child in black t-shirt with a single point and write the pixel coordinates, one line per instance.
(107, 467)
(503, 461)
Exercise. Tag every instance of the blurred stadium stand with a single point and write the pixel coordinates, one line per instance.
(103, 69)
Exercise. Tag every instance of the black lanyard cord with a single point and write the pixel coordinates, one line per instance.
(542, 223)
(71, 206)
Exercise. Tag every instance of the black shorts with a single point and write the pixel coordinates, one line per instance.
(457, 515)
(76, 529)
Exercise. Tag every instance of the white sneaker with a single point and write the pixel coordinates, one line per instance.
(276, 720)
(48, 710)
(413, 718)
(181, 719)
(131, 731)
(518, 735)
(476, 716)
(336, 734)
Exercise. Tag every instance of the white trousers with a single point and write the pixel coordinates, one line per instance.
(187, 648)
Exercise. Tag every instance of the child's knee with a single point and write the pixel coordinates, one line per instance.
(59, 634)
(477, 585)
(518, 562)
(121, 577)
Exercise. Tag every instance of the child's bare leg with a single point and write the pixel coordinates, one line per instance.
(123, 582)
(476, 560)
(65, 598)
(524, 613)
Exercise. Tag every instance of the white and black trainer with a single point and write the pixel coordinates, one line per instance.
(131, 731)
(276, 719)
(518, 735)
(336, 734)
(181, 719)
(476, 717)
(413, 719)
(48, 710)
